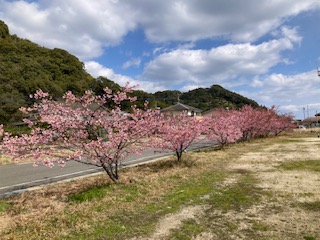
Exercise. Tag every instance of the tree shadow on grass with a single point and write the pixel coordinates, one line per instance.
(171, 163)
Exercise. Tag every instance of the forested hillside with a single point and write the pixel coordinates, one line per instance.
(214, 97)
(26, 67)
(202, 98)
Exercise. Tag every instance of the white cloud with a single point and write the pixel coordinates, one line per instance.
(191, 20)
(135, 62)
(97, 70)
(26, 17)
(84, 27)
(303, 81)
(291, 92)
(301, 111)
(222, 64)
(187, 88)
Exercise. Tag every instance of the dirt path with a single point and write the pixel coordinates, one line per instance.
(291, 210)
(285, 215)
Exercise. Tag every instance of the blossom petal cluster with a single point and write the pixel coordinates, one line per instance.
(177, 133)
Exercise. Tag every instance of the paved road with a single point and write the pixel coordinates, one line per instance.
(18, 178)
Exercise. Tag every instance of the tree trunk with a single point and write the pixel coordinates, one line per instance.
(112, 173)
(179, 154)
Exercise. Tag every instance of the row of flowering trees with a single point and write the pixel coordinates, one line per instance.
(83, 129)
(224, 126)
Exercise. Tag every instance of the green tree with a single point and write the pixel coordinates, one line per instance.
(26, 67)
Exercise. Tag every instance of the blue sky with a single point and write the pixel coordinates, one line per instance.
(265, 50)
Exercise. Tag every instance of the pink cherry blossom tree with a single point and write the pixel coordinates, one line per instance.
(83, 129)
(177, 133)
(222, 127)
(281, 121)
(248, 120)
(262, 122)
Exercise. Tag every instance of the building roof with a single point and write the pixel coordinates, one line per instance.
(180, 107)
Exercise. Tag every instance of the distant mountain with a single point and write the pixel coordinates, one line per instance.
(215, 97)
(26, 67)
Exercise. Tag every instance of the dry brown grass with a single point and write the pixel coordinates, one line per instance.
(5, 160)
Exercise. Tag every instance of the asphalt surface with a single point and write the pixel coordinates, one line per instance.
(15, 179)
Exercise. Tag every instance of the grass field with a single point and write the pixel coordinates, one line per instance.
(263, 189)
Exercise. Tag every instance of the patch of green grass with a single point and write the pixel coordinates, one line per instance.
(191, 191)
(309, 238)
(129, 193)
(309, 165)
(307, 194)
(186, 192)
(142, 220)
(135, 223)
(187, 161)
(302, 134)
(189, 229)
(288, 140)
(311, 206)
(97, 192)
(257, 226)
(124, 225)
(4, 206)
(240, 195)
(114, 230)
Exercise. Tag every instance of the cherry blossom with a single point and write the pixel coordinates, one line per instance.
(222, 127)
(83, 129)
(177, 133)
